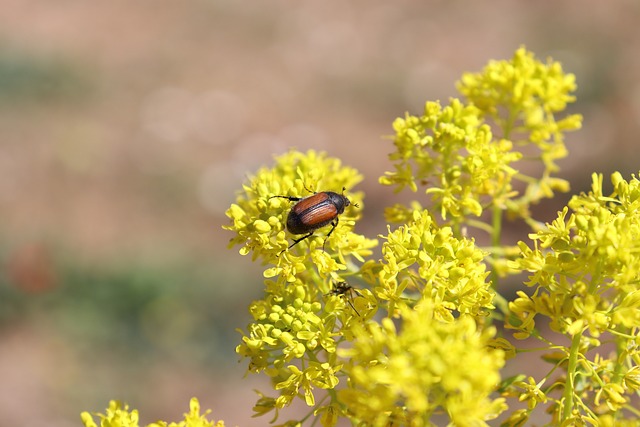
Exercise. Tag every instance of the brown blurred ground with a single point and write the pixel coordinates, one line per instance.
(126, 127)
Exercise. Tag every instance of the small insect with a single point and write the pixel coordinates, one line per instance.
(314, 212)
(346, 291)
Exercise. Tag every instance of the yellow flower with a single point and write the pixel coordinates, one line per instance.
(579, 257)
(532, 393)
(119, 416)
(522, 96)
(442, 268)
(258, 219)
(454, 152)
(612, 394)
(529, 92)
(426, 367)
(451, 150)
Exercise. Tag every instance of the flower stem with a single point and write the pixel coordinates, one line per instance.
(567, 407)
(496, 229)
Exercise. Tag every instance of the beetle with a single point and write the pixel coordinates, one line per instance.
(314, 212)
(346, 291)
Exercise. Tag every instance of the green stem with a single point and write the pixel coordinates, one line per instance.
(496, 229)
(502, 304)
(480, 225)
(567, 407)
(621, 347)
(495, 239)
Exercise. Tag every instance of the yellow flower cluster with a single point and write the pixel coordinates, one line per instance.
(288, 323)
(455, 154)
(258, 219)
(118, 415)
(310, 311)
(453, 150)
(302, 322)
(427, 368)
(406, 339)
(521, 95)
(585, 267)
(298, 324)
(424, 262)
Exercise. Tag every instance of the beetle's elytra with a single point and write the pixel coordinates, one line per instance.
(314, 212)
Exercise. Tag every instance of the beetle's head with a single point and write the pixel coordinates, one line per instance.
(347, 202)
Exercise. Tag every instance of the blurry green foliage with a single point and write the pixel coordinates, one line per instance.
(125, 307)
(28, 78)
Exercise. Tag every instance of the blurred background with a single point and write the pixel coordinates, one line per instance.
(126, 128)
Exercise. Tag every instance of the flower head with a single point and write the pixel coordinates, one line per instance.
(299, 322)
(286, 324)
(423, 261)
(522, 97)
(582, 256)
(469, 154)
(259, 218)
(450, 149)
(118, 415)
(428, 366)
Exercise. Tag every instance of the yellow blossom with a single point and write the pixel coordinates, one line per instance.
(118, 415)
(425, 367)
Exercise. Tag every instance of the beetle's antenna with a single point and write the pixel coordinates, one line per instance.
(352, 204)
(304, 184)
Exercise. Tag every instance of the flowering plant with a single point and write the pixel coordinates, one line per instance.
(119, 415)
(411, 338)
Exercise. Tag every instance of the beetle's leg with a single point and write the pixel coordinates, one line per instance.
(296, 241)
(291, 199)
(334, 225)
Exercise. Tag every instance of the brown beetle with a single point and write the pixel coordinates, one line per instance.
(314, 212)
